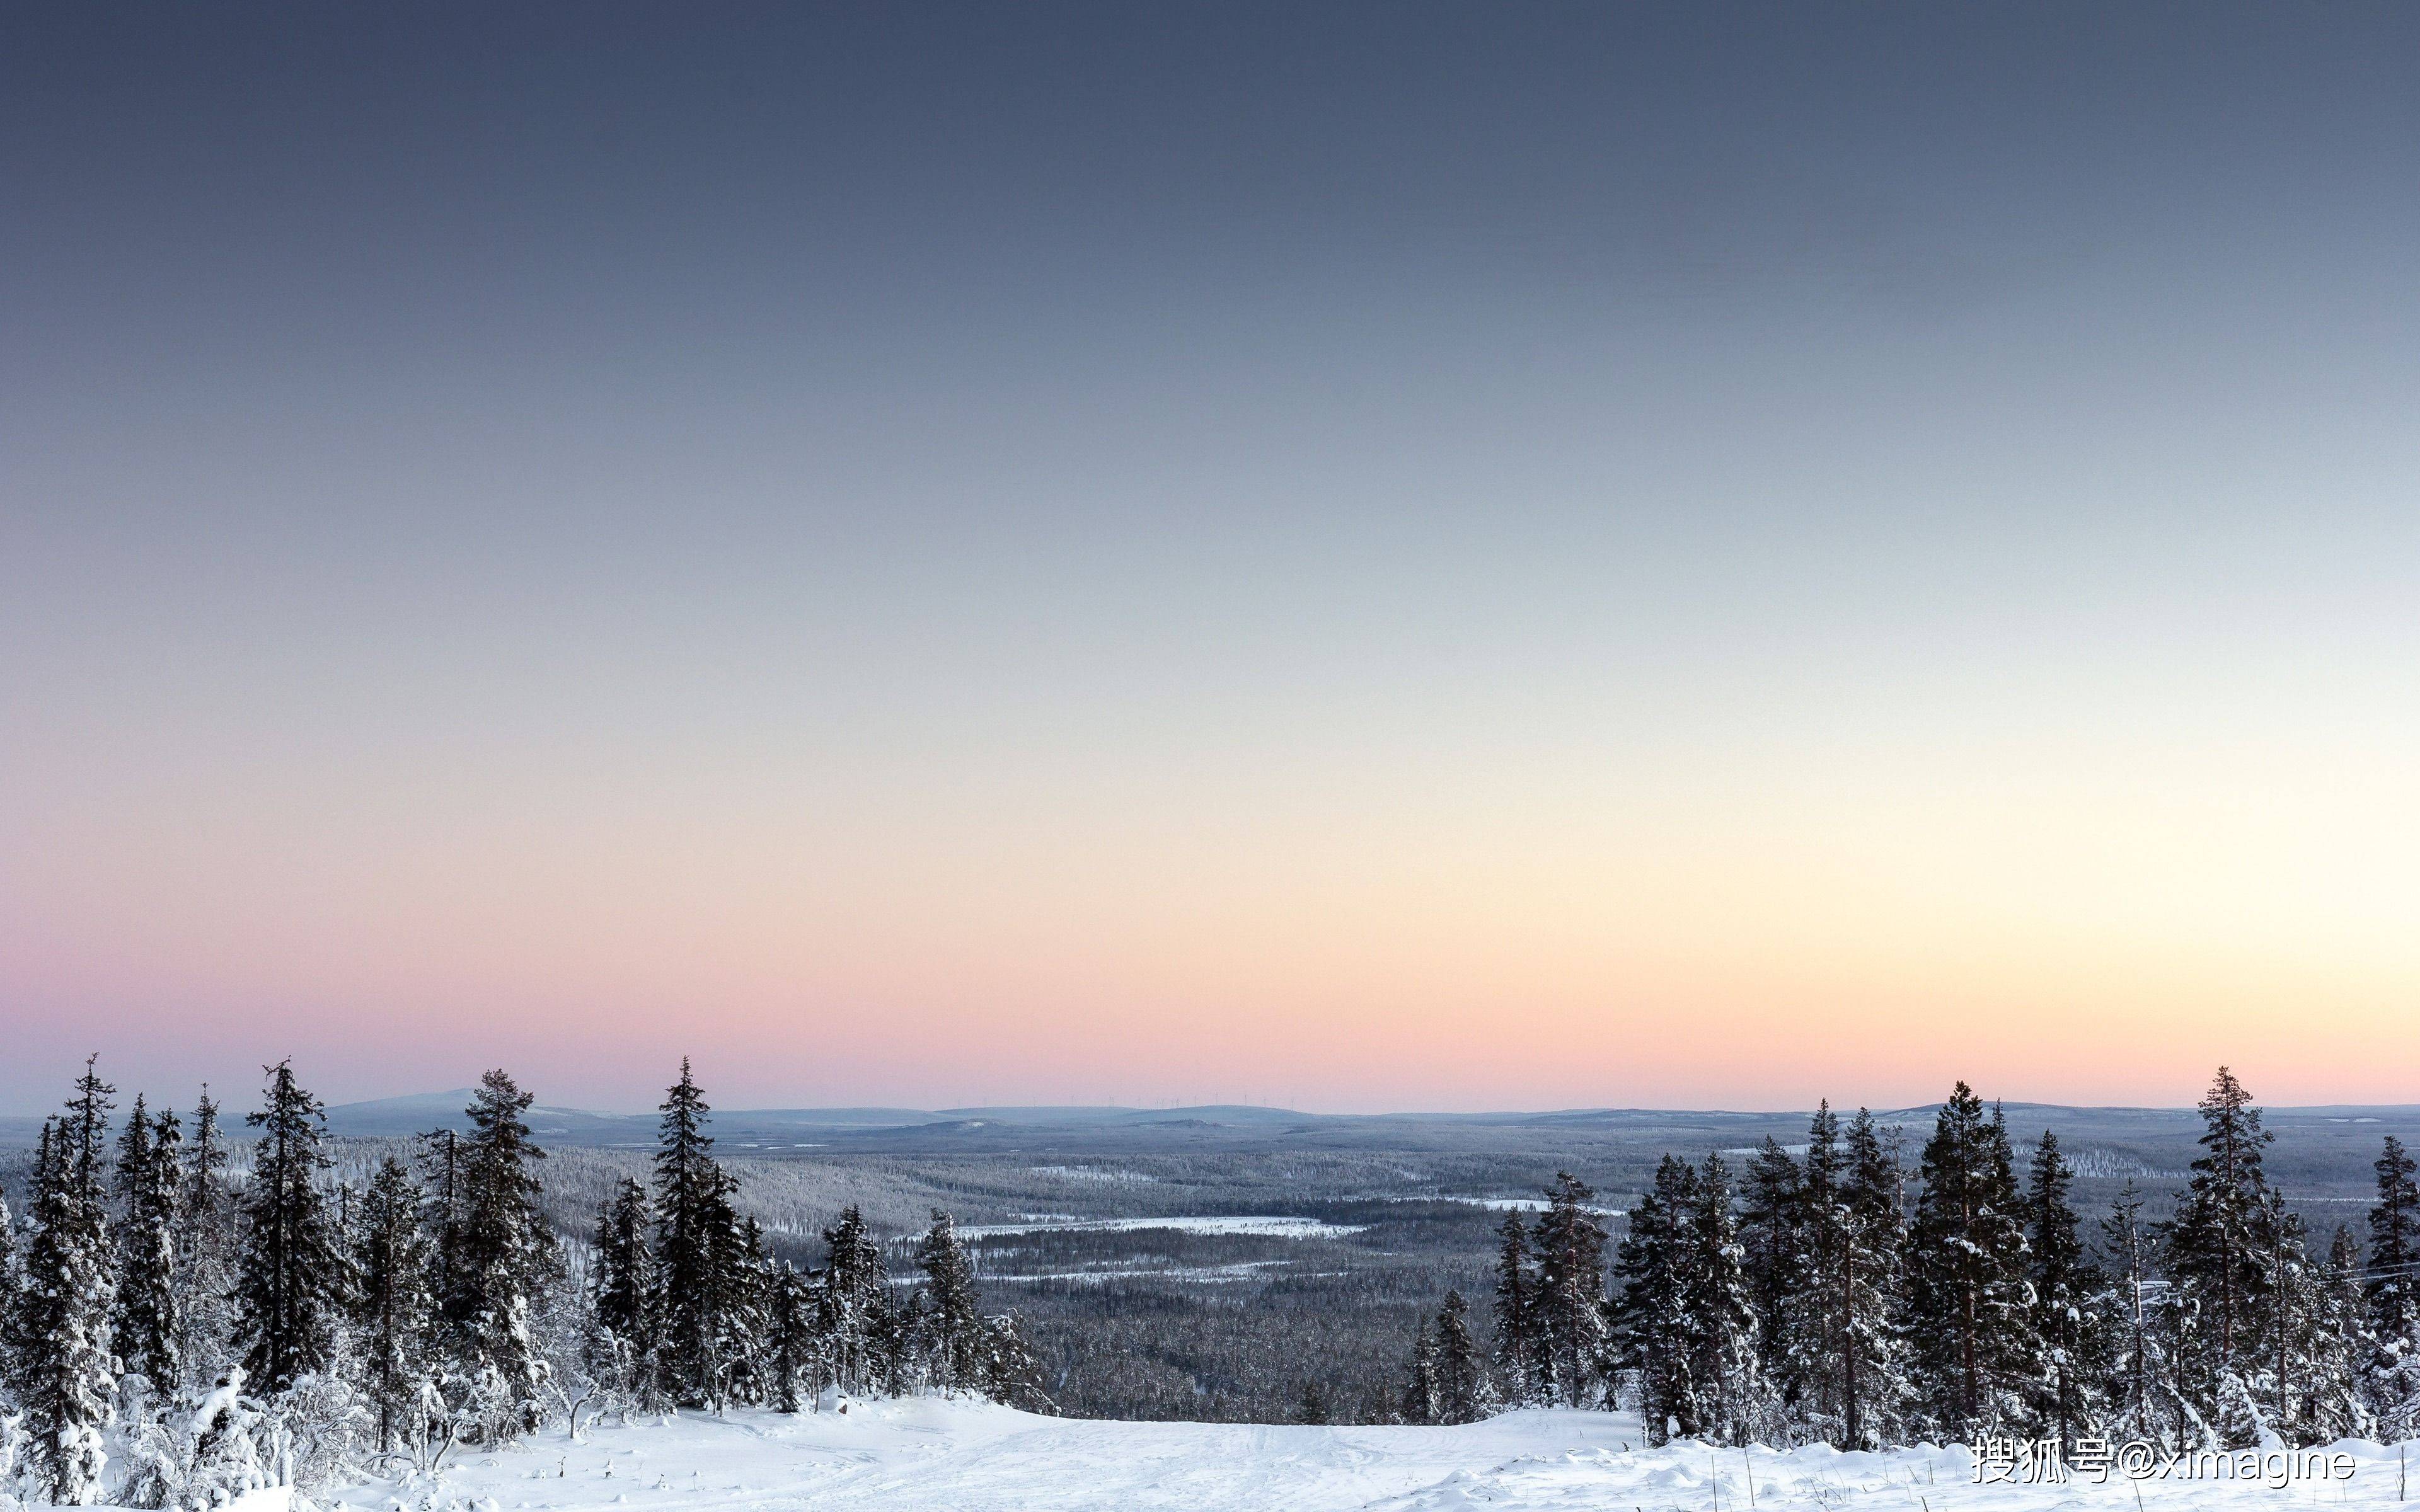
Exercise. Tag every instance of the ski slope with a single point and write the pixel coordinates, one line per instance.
(936, 1455)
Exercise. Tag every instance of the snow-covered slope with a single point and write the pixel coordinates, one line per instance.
(963, 1457)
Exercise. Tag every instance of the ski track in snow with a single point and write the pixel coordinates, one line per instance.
(928, 1455)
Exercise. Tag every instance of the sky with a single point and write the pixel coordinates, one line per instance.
(1359, 557)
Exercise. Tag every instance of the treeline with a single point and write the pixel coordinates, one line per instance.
(174, 1330)
(1839, 1297)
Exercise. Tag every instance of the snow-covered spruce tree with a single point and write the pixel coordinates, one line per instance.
(12, 1292)
(441, 1176)
(1773, 1202)
(622, 1294)
(2140, 1380)
(287, 1286)
(898, 1338)
(2305, 1376)
(2391, 1369)
(2274, 1368)
(1736, 1404)
(1464, 1393)
(506, 1257)
(2215, 1305)
(849, 1305)
(148, 1331)
(1419, 1401)
(1812, 1345)
(692, 1223)
(1012, 1376)
(951, 1312)
(1570, 1309)
(1969, 1303)
(2069, 1398)
(570, 1345)
(746, 1341)
(1518, 1355)
(2336, 1402)
(65, 1374)
(1651, 1321)
(394, 1310)
(796, 1356)
(1862, 1286)
(206, 1256)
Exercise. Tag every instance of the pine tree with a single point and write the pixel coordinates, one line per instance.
(954, 1325)
(623, 1294)
(2340, 1348)
(12, 1292)
(1464, 1394)
(206, 1254)
(441, 1165)
(148, 1329)
(2391, 1371)
(395, 1307)
(1012, 1376)
(287, 1286)
(2394, 1287)
(1736, 1403)
(1418, 1402)
(1968, 1299)
(744, 1312)
(897, 1334)
(1852, 1358)
(506, 1257)
(1572, 1329)
(2142, 1403)
(1813, 1347)
(693, 1219)
(65, 1370)
(1773, 1239)
(2218, 1285)
(2068, 1396)
(1516, 1345)
(849, 1303)
(796, 1355)
(1651, 1323)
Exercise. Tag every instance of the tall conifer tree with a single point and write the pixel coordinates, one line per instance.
(1571, 1303)
(395, 1307)
(148, 1329)
(506, 1257)
(288, 1287)
(2219, 1286)
(952, 1314)
(1517, 1356)
(851, 1305)
(691, 1222)
(1969, 1296)
(66, 1368)
(2069, 1394)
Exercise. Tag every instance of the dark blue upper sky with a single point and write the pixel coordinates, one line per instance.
(253, 189)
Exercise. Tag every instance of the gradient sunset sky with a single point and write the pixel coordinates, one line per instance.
(1401, 556)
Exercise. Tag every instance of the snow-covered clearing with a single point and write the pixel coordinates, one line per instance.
(937, 1456)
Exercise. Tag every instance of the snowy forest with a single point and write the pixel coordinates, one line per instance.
(189, 1310)
(179, 1325)
(1840, 1297)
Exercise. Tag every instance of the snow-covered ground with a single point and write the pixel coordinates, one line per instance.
(963, 1457)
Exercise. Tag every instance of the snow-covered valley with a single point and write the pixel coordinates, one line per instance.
(953, 1456)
